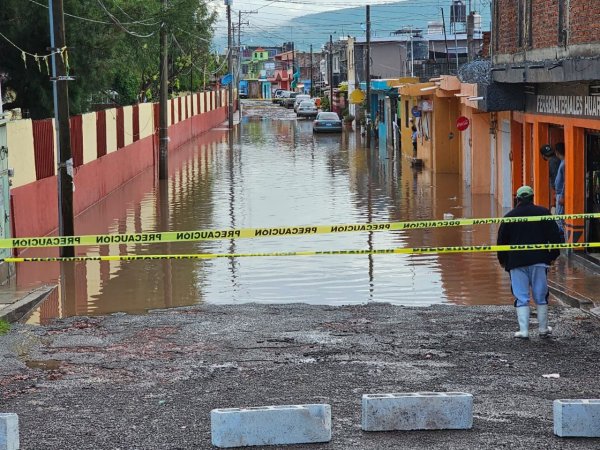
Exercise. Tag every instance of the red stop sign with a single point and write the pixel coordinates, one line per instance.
(462, 123)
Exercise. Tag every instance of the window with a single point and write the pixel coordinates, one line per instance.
(406, 113)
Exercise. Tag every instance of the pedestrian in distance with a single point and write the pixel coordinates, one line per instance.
(528, 269)
(553, 163)
(415, 137)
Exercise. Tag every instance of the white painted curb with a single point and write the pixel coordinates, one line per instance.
(270, 425)
(417, 411)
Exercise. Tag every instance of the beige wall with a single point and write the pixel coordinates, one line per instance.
(19, 138)
(90, 143)
(128, 124)
(446, 136)
(176, 107)
(111, 130)
(146, 119)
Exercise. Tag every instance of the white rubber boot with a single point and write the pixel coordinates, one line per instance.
(542, 313)
(523, 318)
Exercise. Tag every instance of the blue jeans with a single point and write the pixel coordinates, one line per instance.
(524, 278)
(560, 209)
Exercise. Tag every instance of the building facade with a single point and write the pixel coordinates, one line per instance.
(554, 60)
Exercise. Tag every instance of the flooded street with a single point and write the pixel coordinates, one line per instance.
(275, 172)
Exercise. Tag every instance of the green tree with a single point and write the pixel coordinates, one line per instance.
(113, 50)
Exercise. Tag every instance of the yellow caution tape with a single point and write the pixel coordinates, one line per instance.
(206, 235)
(414, 250)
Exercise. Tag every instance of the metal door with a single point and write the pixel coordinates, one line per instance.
(592, 190)
(6, 271)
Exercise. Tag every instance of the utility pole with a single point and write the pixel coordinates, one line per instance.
(445, 40)
(163, 100)
(368, 75)
(311, 75)
(230, 62)
(330, 72)
(61, 121)
(470, 32)
(293, 61)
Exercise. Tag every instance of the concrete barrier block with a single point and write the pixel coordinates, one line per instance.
(270, 425)
(417, 411)
(9, 431)
(577, 418)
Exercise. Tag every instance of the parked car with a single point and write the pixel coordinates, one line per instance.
(289, 100)
(300, 98)
(277, 95)
(307, 108)
(328, 122)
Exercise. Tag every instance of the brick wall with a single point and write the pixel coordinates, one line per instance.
(512, 19)
(505, 26)
(545, 23)
(584, 17)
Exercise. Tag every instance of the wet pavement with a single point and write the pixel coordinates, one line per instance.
(150, 381)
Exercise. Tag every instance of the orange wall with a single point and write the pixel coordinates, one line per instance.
(574, 139)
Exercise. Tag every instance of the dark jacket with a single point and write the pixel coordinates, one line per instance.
(517, 233)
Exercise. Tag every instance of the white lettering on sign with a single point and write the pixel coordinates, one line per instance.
(569, 105)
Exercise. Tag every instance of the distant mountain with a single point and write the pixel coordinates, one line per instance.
(315, 28)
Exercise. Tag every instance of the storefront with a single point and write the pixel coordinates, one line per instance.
(575, 121)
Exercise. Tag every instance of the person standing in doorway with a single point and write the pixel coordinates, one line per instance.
(415, 136)
(528, 269)
(559, 184)
(553, 162)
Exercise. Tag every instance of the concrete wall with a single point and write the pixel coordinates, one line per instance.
(96, 178)
(111, 130)
(19, 139)
(128, 124)
(446, 158)
(146, 119)
(90, 146)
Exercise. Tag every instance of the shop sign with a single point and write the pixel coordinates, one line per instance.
(569, 105)
(462, 123)
(426, 105)
(357, 96)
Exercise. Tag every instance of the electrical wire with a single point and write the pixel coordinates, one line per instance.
(120, 25)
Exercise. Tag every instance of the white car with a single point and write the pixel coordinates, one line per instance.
(307, 108)
(300, 98)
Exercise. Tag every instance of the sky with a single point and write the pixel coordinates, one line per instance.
(267, 16)
(269, 13)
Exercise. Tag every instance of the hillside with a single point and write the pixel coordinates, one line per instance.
(315, 28)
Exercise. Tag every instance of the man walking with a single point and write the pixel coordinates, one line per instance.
(528, 269)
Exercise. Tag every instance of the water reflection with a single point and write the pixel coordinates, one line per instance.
(272, 171)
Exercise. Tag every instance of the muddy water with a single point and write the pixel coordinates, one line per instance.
(272, 171)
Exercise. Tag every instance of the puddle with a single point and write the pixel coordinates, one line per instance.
(47, 364)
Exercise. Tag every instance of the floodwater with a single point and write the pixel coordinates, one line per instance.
(271, 171)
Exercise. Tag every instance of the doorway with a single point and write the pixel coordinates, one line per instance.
(592, 191)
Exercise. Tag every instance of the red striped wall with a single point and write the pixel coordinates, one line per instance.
(96, 179)
(136, 122)
(101, 133)
(120, 128)
(43, 147)
(77, 140)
